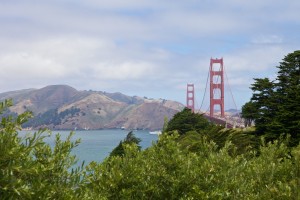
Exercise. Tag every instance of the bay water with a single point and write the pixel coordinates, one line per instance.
(96, 145)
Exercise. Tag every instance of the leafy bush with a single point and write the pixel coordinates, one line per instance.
(189, 166)
(29, 168)
(167, 171)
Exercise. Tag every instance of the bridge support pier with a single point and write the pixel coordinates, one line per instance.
(216, 86)
(190, 97)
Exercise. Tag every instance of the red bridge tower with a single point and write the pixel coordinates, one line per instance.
(216, 85)
(190, 97)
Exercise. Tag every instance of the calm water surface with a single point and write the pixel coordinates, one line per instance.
(97, 144)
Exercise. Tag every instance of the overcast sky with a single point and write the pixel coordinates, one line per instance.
(149, 48)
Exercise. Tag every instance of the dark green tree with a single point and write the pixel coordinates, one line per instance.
(186, 121)
(249, 112)
(288, 98)
(130, 139)
(277, 102)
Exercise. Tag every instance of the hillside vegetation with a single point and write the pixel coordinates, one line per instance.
(63, 107)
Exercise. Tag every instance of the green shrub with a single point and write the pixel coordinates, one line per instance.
(30, 168)
(189, 166)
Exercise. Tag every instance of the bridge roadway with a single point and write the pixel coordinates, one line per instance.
(218, 121)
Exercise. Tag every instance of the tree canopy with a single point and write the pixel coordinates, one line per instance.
(274, 105)
(249, 112)
(186, 121)
(130, 139)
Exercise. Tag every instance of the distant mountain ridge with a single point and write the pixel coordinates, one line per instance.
(63, 107)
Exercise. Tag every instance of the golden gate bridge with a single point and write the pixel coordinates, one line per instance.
(216, 77)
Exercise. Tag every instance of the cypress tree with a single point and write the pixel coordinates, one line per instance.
(277, 102)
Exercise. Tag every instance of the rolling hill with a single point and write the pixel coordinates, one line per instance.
(63, 107)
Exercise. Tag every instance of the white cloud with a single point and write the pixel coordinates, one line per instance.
(126, 70)
(255, 59)
(23, 64)
(149, 46)
(270, 39)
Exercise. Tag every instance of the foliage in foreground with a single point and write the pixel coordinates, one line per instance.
(166, 171)
(30, 169)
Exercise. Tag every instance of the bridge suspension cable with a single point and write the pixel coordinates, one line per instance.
(204, 91)
(231, 92)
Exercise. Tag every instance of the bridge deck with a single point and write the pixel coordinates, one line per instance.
(218, 121)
